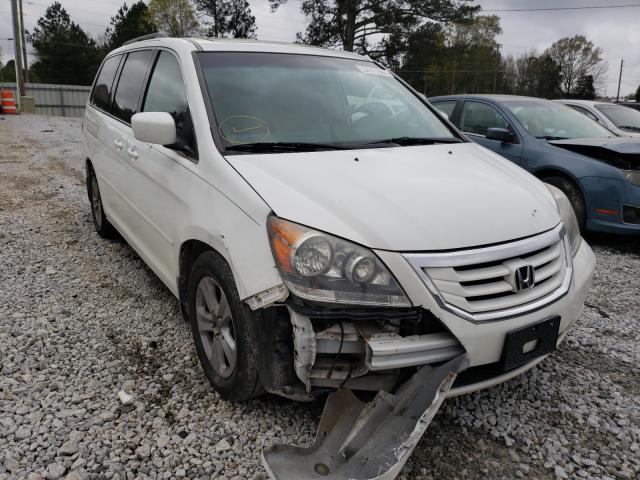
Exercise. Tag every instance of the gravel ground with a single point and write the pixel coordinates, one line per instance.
(82, 318)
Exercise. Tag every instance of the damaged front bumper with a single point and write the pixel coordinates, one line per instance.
(359, 441)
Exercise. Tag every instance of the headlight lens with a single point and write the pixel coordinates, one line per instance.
(568, 216)
(633, 176)
(317, 266)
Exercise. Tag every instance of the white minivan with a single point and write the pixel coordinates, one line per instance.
(321, 225)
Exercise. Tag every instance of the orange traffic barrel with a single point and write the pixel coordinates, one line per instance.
(8, 102)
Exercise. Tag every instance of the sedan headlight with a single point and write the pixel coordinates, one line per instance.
(317, 266)
(632, 176)
(568, 216)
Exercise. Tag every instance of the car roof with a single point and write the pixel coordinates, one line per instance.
(238, 45)
(587, 103)
(495, 97)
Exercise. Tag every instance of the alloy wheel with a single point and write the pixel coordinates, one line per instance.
(215, 327)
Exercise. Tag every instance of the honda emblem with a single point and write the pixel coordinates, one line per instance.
(524, 278)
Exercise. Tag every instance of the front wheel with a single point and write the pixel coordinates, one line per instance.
(574, 195)
(220, 329)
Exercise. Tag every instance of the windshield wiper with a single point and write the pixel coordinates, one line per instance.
(268, 147)
(551, 137)
(629, 127)
(406, 141)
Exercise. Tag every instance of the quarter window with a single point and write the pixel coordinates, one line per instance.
(101, 94)
(477, 117)
(166, 93)
(127, 96)
(447, 107)
(584, 111)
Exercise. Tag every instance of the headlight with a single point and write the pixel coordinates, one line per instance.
(633, 176)
(568, 216)
(317, 266)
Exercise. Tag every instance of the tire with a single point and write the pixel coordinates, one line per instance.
(100, 221)
(219, 321)
(574, 195)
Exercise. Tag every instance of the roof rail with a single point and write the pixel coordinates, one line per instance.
(150, 36)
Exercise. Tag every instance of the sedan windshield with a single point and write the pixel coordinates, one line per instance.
(624, 118)
(554, 121)
(285, 102)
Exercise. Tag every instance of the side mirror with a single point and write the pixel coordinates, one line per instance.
(499, 134)
(154, 127)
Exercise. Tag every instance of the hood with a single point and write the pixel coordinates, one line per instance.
(619, 152)
(420, 198)
(626, 133)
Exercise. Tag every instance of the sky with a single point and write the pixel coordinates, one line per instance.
(614, 30)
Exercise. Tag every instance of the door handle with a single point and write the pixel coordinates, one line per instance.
(133, 152)
(119, 145)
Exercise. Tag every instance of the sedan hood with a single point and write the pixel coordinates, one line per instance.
(619, 152)
(420, 198)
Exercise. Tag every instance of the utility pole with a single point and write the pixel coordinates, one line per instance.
(215, 18)
(619, 80)
(18, 50)
(24, 46)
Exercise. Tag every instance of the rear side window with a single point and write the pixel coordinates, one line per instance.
(166, 93)
(101, 94)
(127, 97)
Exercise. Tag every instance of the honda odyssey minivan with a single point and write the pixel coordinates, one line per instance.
(321, 225)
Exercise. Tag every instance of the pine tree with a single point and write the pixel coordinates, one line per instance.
(228, 18)
(65, 52)
(357, 26)
(129, 22)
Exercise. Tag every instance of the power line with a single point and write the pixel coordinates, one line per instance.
(554, 9)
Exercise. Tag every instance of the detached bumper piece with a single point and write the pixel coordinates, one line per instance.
(372, 441)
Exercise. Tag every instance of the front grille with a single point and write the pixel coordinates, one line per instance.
(480, 284)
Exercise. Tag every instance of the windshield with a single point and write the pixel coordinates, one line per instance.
(267, 99)
(554, 121)
(625, 118)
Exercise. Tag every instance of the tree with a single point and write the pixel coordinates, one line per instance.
(547, 77)
(128, 23)
(176, 18)
(584, 89)
(228, 18)
(8, 72)
(65, 52)
(638, 94)
(375, 27)
(458, 57)
(577, 58)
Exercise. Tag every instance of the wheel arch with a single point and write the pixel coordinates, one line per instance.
(559, 172)
(190, 249)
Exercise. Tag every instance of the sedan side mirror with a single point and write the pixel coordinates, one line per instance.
(499, 134)
(154, 127)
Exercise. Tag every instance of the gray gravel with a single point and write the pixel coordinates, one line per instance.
(82, 319)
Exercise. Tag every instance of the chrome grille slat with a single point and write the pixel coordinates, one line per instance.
(478, 284)
(546, 255)
(455, 288)
(481, 273)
